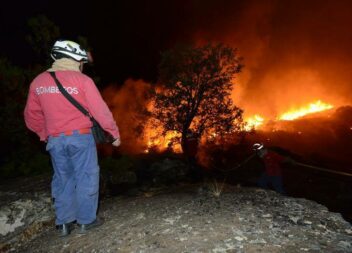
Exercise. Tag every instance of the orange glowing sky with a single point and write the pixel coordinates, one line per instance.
(295, 53)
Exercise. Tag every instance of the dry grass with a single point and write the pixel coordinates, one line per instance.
(216, 188)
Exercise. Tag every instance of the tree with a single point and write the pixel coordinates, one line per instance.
(43, 33)
(19, 155)
(196, 84)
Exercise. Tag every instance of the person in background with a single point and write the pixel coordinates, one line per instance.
(272, 174)
(67, 131)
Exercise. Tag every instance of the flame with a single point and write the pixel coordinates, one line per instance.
(155, 141)
(253, 122)
(256, 121)
(317, 106)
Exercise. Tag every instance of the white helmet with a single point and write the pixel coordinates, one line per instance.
(258, 146)
(69, 49)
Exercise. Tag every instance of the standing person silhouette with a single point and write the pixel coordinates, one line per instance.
(272, 174)
(67, 131)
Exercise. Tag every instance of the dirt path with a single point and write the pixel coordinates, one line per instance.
(193, 219)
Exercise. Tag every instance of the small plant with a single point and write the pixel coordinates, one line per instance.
(216, 189)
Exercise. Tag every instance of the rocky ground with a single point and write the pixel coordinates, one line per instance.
(207, 217)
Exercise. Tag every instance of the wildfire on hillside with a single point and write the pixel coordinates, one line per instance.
(258, 122)
(314, 107)
(151, 138)
(157, 143)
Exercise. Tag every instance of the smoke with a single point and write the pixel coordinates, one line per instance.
(294, 52)
(128, 104)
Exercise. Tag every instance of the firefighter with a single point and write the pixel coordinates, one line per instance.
(272, 174)
(66, 130)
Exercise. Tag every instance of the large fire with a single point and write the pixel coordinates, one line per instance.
(317, 106)
(153, 140)
(257, 121)
(156, 142)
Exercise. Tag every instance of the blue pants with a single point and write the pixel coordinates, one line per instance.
(275, 181)
(75, 183)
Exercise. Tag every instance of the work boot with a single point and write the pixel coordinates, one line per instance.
(83, 228)
(65, 229)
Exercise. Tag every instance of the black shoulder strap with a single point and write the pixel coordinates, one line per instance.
(69, 97)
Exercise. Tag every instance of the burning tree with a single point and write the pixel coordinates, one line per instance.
(196, 83)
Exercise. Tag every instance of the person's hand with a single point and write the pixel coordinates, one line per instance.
(116, 142)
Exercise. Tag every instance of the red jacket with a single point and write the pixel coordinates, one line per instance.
(272, 163)
(48, 112)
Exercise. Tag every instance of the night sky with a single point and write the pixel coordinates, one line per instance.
(126, 36)
(290, 47)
